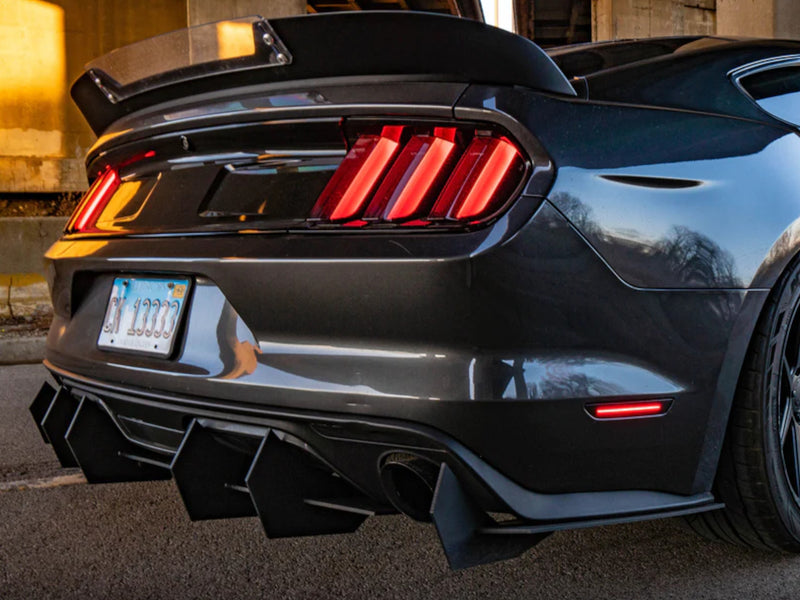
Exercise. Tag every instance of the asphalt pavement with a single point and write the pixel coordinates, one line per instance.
(135, 541)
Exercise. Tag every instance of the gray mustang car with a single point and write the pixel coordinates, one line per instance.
(344, 265)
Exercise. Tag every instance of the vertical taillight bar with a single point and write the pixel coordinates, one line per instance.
(353, 182)
(411, 185)
(94, 201)
(486, 171)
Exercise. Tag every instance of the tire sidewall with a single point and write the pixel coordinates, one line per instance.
(786, 310)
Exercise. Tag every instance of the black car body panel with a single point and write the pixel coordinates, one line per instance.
(690, 80)
(630, 265)
(631, 194)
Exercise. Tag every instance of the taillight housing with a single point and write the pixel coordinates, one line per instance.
(407, 175)
(418, 176)
(91, 206)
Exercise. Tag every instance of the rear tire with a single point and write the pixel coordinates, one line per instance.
(758, 477)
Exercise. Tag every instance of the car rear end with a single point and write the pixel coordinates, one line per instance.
(306, 286)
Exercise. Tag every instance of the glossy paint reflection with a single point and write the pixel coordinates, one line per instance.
(220, 348)
(561, 377)
(712, 235)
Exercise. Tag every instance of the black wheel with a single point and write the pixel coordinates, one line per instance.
(759, 472)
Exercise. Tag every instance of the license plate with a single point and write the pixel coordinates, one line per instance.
(143, 314)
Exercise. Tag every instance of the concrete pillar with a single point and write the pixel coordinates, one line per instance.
(206, 11)
(624, 19)
(751, 18)
(759, 18)
(787, 19)
(43, 48)
(32, 93)
(93, 28)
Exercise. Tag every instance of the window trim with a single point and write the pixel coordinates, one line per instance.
(767, 64)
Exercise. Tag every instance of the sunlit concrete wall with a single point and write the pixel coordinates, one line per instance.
(33, 83)
(624, 19)
(759, 18)
(206, 11)
(621, 19)
(43, 49)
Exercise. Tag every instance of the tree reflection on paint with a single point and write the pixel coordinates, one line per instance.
(684, 258)
(697, 259)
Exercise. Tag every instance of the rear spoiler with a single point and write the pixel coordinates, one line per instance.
(432, 47)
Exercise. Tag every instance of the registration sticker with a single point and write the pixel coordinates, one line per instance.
(143, 314)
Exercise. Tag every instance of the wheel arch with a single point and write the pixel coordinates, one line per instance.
(755, 306)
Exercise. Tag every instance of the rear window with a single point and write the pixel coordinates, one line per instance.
(776, 91)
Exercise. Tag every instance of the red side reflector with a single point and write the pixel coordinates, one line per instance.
(416, 176)
(357, 175)
(481, 178)
(94, 201)
(628, 409)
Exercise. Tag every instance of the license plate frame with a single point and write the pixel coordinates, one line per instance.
(131, 325)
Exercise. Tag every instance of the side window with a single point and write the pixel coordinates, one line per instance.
(777, 91)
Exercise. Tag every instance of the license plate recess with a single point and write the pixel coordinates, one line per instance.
(143, 314)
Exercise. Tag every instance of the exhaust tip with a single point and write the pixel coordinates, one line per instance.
(409, 481)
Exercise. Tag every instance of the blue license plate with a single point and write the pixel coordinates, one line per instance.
(143, 314)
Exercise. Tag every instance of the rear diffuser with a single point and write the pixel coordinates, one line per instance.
(55, 424)
(226, 469)
(209, 469)
(223, 471)
(296, 494)
(469, 536)
(105, 455)
(40, 405)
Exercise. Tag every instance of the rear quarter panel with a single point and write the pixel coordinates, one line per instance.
(669, 199)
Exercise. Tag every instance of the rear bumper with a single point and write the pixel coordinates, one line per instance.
(353, 446)
(306, 473)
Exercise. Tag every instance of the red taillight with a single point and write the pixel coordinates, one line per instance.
(628, 409)
(355, 179)
(414, 178)
(485, 171)
(94, 202)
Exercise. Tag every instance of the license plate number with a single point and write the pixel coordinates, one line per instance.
(143, 314)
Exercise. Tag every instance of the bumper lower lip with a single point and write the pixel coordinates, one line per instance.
(306, 473)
